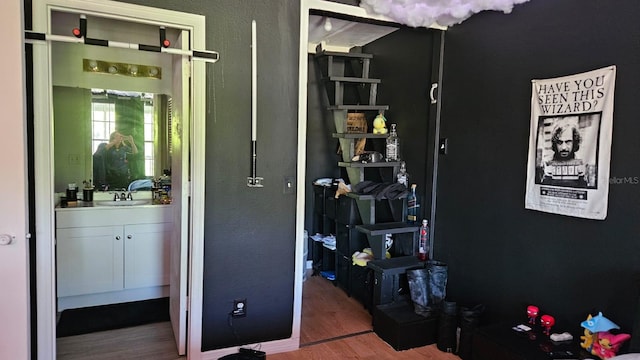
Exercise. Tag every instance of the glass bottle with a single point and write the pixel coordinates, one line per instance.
(412, 206)
(423, 246)
(393, 145)
(403, 176)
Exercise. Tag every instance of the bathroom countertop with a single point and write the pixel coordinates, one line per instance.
(92, 204)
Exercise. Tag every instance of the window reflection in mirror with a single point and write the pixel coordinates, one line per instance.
(114, 139)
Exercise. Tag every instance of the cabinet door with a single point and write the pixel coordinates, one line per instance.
(89, 260)
(147, 255)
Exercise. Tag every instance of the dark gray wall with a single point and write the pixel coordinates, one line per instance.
(499, 253)
(404, 60)
(249, 232)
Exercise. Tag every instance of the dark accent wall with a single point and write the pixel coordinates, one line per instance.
(404, 60)
(499, 253)
(249, 232)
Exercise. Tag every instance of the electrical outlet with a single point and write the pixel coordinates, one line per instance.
(239, 308)
(74, 159)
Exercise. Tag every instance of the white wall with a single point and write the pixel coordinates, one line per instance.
(14, 279)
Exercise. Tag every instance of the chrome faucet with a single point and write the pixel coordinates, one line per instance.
(123, 196)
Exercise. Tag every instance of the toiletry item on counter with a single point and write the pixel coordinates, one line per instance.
(87, 194)
(72, 193)
(87, 191)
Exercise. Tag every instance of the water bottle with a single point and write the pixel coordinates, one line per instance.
(393, 145)
(423, 246)
(412, 206)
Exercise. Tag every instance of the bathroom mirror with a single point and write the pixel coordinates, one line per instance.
(97, 91)
(111, 139)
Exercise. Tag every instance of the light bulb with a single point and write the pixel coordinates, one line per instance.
(93, 65)
(113, 69)
(133, 70)
(327, 24)
(153, 71)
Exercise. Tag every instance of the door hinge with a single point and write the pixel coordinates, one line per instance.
(187, 69)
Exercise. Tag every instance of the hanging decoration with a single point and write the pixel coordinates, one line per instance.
(570, 144)
(417, 13)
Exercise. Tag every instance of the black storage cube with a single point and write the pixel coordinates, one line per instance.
(328, 225)
(343, 279)
(349, 239)
(330, 207)
(324, 225)
(324, 209)
(318, 200)
(399, 326)
(359, 289)
(347, 211)
(320, 193)
(317, 252)
(328, 259)
(390, 279)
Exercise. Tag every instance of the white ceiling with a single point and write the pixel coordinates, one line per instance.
(343, 34)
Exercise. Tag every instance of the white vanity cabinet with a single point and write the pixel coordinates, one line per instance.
(146, 255)
(110, 255)
(90, 260)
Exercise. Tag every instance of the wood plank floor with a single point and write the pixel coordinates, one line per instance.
(334, 326)
(152, 341)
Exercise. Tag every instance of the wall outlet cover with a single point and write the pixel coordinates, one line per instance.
(239, 308)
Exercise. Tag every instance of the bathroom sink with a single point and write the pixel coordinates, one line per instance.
(123, 202)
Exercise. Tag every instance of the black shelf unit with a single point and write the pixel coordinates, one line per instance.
(346, 76)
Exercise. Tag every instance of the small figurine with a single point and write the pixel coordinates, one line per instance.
(547, 321)
(598, 323)
(532, 313)
(379, 125)
(589, 337)
(608, 344)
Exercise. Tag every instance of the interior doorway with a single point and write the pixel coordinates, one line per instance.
(341, 28)
(116, 33)
(333, 27)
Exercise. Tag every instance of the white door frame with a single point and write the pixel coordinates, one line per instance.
(43, 157)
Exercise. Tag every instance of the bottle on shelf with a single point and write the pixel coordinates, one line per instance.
(423, 245)
(403, 176)
(412, 206)
(393, 145)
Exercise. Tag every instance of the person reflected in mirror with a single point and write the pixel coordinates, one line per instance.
(564, 169)
(114, 157)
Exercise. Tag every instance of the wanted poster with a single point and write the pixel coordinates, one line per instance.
(570, 144)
